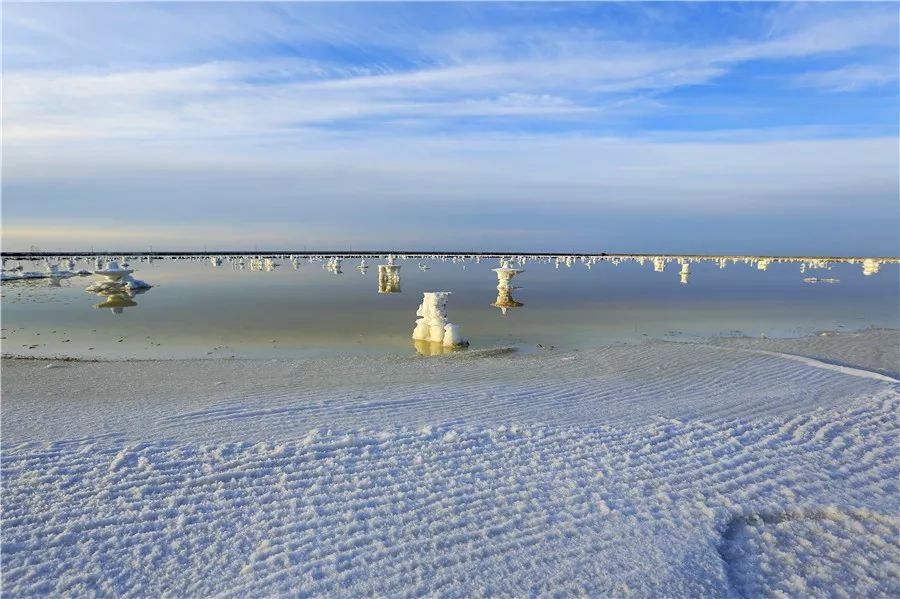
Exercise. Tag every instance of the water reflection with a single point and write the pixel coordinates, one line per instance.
(505, 300)
(434, 348)
(116, 301)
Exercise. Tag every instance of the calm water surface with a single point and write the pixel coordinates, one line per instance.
(196, 309)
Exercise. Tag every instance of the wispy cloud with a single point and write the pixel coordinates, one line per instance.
(852, 78)
(529, 73)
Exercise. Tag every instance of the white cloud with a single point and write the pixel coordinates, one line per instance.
(469, 73)
(851, 78)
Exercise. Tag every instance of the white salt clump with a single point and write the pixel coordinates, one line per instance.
(131, 283)
(433, 325)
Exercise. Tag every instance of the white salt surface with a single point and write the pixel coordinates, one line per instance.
(651, 470)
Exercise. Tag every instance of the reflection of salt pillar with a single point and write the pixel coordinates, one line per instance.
(432, 324)
(762, 264)
(504, 289)
(871, 266)
(505, 300)
(388, 278)
(685, 273)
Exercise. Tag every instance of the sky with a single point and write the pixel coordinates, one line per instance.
(640, 127)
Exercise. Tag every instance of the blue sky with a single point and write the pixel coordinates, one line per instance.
(707, 127)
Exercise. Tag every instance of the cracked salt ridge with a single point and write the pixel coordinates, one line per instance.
(665, 503)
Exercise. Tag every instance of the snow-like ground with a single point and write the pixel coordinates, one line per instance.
(661, 469)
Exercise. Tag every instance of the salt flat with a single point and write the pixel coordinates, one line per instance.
(717, 469)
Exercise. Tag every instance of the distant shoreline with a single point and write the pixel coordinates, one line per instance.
(457, 254)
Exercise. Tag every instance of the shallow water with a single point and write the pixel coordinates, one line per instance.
(196, 309)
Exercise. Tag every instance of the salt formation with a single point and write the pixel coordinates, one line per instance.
(659, 264)
(113, 272)
(389, 276)
(504, 289)
(433, 325)
(51, 271)
(266, 264)
(505, 274)
(685, 273)
(333, 266)
(117, 279)
(871, 266)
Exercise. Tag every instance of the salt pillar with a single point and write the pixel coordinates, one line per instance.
(871, 267)
(505, 274)
(659, 264)
(389, 276)
(432, 324)
(504, 289)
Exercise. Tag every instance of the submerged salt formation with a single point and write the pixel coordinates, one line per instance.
(433, 326)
